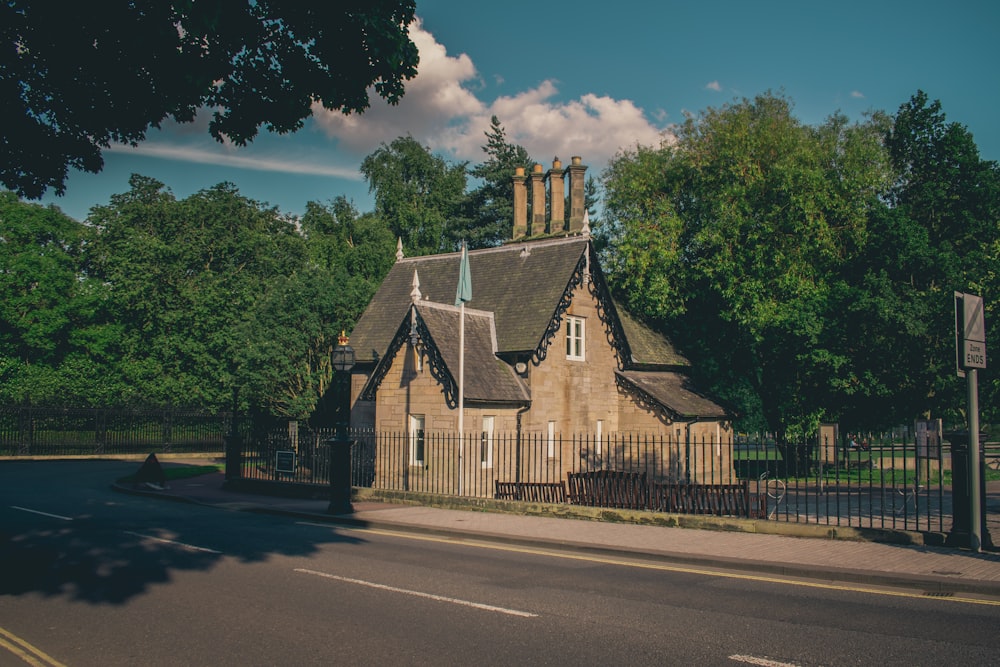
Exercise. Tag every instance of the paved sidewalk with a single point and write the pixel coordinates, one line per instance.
(935, 570)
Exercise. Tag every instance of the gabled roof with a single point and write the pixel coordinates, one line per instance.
(487, 378)
(649, 349)
(522, 284)
(675, 392)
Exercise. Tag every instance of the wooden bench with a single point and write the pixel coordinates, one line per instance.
(717, 499)
(619, 489)
(532, 492)
(622, 489)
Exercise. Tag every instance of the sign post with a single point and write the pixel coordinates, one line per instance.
(970, 346)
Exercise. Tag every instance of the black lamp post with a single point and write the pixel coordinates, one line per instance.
(340, 443)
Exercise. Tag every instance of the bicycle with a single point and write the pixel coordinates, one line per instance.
(902, 497)
(774, 489)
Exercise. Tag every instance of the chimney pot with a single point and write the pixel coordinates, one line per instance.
(557, 198)
(520, 203)
(537, 187)
(576, 194)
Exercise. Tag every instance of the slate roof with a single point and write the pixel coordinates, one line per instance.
(521, 289)
(649, 349)
(676, 393)
(487, 378)
(520, 283)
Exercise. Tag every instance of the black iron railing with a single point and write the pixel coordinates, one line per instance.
(45, 431)
(884, 484)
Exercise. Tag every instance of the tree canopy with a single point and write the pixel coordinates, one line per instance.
(807, 270)
(417, 193)
(490, 206)
(106, 72)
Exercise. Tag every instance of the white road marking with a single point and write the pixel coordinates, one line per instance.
(626, 562)
(763, 662)
(54, 516)
(429, 596)
(174, 542)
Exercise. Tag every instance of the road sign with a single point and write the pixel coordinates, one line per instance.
(975, 326)
(973, 354)
(970, 332)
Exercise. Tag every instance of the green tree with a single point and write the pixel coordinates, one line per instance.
(419, 195)
(106, 72)
(939, 235)
(56, 343)
(184, 277)
(40, 262)
(349, 254)
(490, 206)
(729, 238)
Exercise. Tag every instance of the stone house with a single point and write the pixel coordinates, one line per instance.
(550, 359)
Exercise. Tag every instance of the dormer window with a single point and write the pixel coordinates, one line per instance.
(575, 339)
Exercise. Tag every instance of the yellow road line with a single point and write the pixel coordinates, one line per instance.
(607, 560)
(25, 651)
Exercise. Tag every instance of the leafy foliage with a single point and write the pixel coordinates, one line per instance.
(106, 72)
(490, 206)
(186, 276)
(418, 194)
(55, 338)
(808, 270)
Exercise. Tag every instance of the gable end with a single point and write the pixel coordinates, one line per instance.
(412, 330)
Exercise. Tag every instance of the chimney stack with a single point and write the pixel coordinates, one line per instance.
(557, 198)
(576, 199)
(555, 182)
(537, 179)
(520, 204)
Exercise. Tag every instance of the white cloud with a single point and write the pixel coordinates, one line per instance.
(714, 85)
(439, 110)
(240, 160)
(434, 97)
(857, 94)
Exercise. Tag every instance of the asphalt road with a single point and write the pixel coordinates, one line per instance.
(92, 577)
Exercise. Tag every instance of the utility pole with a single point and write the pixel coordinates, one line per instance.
(970, 356)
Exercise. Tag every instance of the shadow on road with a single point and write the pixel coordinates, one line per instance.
(64, 532)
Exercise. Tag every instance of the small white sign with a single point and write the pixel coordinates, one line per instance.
(973, 354)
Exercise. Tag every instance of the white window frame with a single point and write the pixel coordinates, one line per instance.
(417, 440)
(486, 442)
(576, 338)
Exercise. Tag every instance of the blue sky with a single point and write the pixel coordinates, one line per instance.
(589, 77)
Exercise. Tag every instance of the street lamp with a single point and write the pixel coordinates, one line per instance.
(342, 360)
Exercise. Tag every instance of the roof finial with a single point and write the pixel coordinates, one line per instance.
(415, 294)
(585, 230)
(399, 249)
